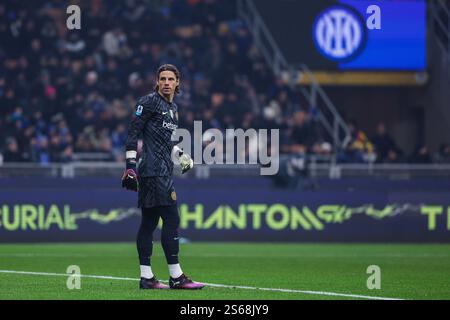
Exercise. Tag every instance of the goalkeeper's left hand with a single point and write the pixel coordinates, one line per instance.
(186, 163)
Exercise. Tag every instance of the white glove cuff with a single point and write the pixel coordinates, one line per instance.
(130, 154)
(177, 150)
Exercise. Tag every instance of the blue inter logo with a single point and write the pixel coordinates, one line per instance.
(339, 33)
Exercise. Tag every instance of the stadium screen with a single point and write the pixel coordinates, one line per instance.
(356, 35)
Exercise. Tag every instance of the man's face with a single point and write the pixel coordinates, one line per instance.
(167, 83)
(381, 129)
(299, 117)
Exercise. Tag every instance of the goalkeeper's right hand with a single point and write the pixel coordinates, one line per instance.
(129, 177)
(130, 181)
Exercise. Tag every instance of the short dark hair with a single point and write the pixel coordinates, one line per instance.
(168, 67)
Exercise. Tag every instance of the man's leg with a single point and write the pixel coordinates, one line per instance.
(170, 238)
(149, 222)
(144, 242)
(170, 243)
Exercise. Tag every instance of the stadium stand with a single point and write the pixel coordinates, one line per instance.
(67, 96)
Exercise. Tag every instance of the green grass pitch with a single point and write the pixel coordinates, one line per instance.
(408, 271)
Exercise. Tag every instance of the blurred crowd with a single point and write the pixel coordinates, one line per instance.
(382, 148)
(65, 92)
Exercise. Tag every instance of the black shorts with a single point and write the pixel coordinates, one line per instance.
(155, 192)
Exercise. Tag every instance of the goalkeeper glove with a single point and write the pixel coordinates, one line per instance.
(129, 177)
(186, 163)
(185, 160)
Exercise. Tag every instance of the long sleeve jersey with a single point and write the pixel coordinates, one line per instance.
(156, 119)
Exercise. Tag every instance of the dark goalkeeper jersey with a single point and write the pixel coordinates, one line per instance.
(156, 119)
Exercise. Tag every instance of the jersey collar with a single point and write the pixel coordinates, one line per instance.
(162, 97)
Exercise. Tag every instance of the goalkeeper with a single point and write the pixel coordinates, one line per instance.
(156, 117)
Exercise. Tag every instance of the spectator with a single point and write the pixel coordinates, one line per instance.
(385, 147)
(114, 42)
(302, 134)
(357, 147)
(443, 155)
(421, 155)
(12, 152)
(41, 149)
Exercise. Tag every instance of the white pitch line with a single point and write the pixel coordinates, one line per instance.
(66, 275)
(322, 293)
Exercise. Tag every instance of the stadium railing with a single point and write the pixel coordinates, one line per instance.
(313, 169)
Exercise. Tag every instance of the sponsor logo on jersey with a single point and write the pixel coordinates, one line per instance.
(168, 125)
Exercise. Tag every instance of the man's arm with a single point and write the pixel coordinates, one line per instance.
(185, 160)
(141, 116)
